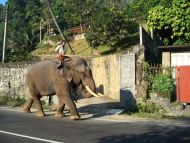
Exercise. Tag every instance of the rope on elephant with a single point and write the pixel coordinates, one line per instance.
(63, 57)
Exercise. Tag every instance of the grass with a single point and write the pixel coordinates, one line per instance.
(80, 47)
(148, 115)
(19, 102)
(12, 101)
(148, 110)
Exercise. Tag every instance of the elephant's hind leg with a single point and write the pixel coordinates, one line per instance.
(40, 112)
(35, 98)
(28, 105)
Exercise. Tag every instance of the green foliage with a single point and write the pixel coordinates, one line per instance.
(23, 26)
(109, 26)
(172, 23)
(75, 12)
(159, 80)
(163, 84)
(138, 9)
(12, 101)
(16, 55)
(148, 107)
(148, 75)
(22, 30)
(59, 10)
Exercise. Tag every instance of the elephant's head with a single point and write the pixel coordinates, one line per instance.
(77, 72)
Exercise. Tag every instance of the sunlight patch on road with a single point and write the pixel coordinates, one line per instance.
(29, 137)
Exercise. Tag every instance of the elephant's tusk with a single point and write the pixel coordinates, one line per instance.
(91, 92)
(100, 94)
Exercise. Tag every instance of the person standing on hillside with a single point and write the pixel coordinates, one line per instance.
(60, 49)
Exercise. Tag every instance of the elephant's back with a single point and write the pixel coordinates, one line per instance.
(41, 77)
(43, 68)
(48, 64)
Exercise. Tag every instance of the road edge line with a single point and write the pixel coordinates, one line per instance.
(29, 137)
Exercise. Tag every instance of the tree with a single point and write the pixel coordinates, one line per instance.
(59, 11)
(108, 25)
(138, 9)
(172, 23)
(24, 19)
(77, 12)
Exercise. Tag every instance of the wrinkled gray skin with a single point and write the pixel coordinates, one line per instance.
(49, 77)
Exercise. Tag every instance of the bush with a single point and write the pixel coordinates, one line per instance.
(159, 80)
(163, 84)
(148, 107)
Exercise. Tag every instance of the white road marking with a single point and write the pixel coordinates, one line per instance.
(29, 137)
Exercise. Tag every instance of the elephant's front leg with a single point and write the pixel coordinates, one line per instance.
(60, 109)
(72, 107)
(63, 93)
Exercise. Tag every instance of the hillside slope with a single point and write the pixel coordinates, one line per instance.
(46, 49)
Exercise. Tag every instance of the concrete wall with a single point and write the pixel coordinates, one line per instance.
(106, 73)
(115, 77)
(127, 81)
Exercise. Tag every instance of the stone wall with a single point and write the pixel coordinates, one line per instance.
(12, 78)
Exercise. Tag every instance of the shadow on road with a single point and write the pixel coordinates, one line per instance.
(97, 110)
(157, 134)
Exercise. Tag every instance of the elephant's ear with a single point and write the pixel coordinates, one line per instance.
(64, 72)
(68, 76)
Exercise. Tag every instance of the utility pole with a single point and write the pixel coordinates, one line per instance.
(40, 30)
(55, 21)
(5, 33)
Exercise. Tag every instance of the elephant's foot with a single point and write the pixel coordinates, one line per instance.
(59, 115)
(26, 109)
(40, 114)
(75, 117)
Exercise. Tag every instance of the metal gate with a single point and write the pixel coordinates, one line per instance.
(183, 83)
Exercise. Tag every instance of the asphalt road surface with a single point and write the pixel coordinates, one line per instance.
(18, 127)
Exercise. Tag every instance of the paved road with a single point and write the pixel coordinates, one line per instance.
(18, 127)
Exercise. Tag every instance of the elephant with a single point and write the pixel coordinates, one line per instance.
(58, 77)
